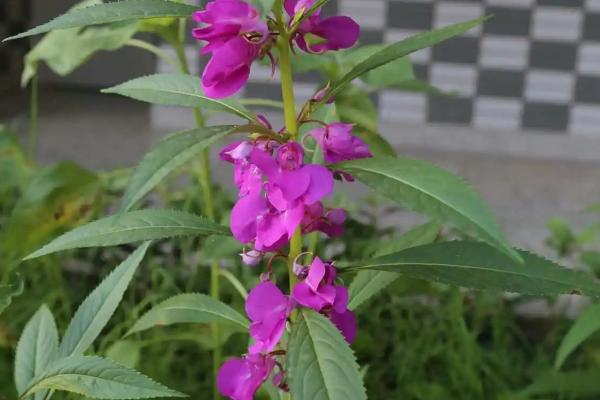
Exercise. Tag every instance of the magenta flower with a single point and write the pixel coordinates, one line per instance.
(268, 309)
(317, 290)
(316, 35)
(270, 219)
(330, 222)
(240, 378)
(339, 144)
(346, 324)
(235, 35)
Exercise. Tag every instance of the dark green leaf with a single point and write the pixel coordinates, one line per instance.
(95, 311)
(321, 365)
(131, 227)
(7, 292)
(432, 191)
(480, 266)
(168, 155)
(176, 90)
(585, 326)
(368, 283)
(112, 12)
(402, 49)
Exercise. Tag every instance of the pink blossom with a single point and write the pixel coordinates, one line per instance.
(235, 34)
(240, 378)
(268, 309)
(330, 222)
(316, 35)
(339, 144)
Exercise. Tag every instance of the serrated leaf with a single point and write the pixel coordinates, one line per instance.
(402, 49)
(37, 348)
(190, 308)
(7, 292)
(176, 90)
(585, 326)
(479, 266)
(321, 365)
(95, 311)
(132, 227)
(368, 283)
(169, 154)
(432, 191)
(98, 378)
(111, 12)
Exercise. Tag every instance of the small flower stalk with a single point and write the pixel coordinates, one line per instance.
(281, 193)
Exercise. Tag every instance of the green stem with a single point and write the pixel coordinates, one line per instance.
(33, 117)
(287, 85)
(205, 181)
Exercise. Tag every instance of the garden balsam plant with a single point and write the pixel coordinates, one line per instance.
(300, 332)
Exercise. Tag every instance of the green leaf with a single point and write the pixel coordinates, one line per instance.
(176, 90)
(112, 12)
(7, 292)
(321, 365)
(479, 266)
(55, 199)
(169, 154)
(95, 311)
(432, 191)
(37, 348)
(98, 378)
(66, 50)
(402, 49)
(190, 308)
(125, 352)
(131, 227)
(368, 283)
(264, 6)
(571, 385)
(585, 326)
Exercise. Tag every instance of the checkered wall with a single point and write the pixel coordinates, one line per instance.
(535, 66)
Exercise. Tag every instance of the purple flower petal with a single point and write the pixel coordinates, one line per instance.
(244, 217)
(346, 323)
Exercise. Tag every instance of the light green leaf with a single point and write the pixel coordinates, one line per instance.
(321, 365)
(402, 49)
(95, 311)
(432, 191)
(169, 154)
(112, 12)
(125, 352)
(98, 378)
(190, 308)
(176, 90)
(388, 75)
(131, 227)
(65, 50)
(479, 266)
(264, 6)
(7, 292)
(37, 348)
(585, 326)
(368, 283)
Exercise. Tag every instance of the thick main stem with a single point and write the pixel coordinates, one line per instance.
(205, 182)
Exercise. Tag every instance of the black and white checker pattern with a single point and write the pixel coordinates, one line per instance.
(535, 66)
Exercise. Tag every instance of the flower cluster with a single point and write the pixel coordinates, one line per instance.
(236, 37)
(280, 193)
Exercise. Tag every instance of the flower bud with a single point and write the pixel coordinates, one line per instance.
(251, 258)
(290, 156)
